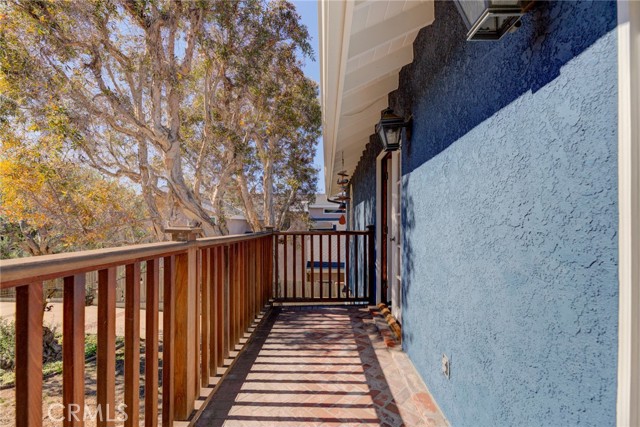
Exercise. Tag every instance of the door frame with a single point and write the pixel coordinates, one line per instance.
(381, 156)
(384, 221)
(628, 33)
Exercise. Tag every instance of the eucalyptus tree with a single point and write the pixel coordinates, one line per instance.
(196, 102)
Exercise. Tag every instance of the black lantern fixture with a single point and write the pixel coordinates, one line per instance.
(389, 129)
(491, 19)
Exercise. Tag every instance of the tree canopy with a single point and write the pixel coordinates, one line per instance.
(51, 204)
(201, 104)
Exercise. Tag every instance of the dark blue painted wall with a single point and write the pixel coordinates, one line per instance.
(510, 217)
(364, 186)
(363, 211)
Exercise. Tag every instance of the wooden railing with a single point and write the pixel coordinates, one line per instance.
(325, 266)
(213, 290)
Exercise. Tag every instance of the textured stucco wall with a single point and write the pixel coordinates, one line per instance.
(363, 182)
(363, 203)
(510, 217)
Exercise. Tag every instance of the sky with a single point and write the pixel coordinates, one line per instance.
(308, 10)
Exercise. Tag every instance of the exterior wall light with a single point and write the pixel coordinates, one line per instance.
(389, 129)
(491, 19)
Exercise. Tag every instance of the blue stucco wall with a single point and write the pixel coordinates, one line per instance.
(510, 217)
(364, 187)
(363, 211)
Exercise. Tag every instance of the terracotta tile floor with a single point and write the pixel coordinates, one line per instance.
(322, 367)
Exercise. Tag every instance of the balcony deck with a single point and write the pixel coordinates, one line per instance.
(321, 366)
(201, 298)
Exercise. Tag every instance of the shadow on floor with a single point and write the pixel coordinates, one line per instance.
(306, 366)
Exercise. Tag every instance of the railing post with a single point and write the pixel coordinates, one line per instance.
(226, 299)
(132, 345)
(73, 351)
(269, 253)
(185, 339)
(29, 355)
(151, 343)
(168, 340)
(106, 357)
(370, 264)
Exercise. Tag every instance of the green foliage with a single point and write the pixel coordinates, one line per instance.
(190, 101)
(7, 343)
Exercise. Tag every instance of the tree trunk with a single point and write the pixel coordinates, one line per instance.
(267, 185)
(184, 196)
(249, 207)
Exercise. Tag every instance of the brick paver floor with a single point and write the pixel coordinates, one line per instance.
(322, 367)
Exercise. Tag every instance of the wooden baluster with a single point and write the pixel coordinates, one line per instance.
(106, 357)
(197, 349)
(205, 312)
(132, 344)
(248, 286)
(220, 306)
(266, 279)
(185, 333)
(295, 266)
(251, 282)
(286, 270)
(28, 351)
(242, 274)
(227, 285)
(276, 254)
(339, 291)
(313, 279)
(356, 264)
(168, 341)
(231, 258)
(245, 289)
(260, 272)
(73, 350)
(347, 271)
(233, 297)
(303, 262)
(256, 277)
(321, 287)
(213, 321)
(271, 263)
(151, 344)
(238, 300)
(330, 266)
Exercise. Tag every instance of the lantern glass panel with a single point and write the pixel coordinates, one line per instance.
(472, 10)
(393, 138)
(489, 19)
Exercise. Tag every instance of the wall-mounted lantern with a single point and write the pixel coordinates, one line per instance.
(389, 129)
(491, 19)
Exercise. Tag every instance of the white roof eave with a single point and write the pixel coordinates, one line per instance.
(363, 46)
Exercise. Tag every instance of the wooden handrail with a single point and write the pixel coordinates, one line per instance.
(19, 271)
(323, 233)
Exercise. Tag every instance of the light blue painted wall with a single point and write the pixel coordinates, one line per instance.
(510, 217)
